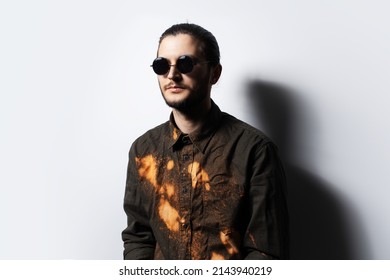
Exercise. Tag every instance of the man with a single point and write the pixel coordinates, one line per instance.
(203, 185)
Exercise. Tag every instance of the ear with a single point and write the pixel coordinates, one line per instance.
(216, 74)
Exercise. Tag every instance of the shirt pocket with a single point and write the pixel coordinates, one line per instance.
(223, 202)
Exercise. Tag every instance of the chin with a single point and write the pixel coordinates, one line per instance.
(183, 102)
(178, 104)
(177, 101)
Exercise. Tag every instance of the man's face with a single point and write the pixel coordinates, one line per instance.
(184, 91)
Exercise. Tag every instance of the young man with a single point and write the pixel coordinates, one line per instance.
(203, 185)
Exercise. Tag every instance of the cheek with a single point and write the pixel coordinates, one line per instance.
(198, 79)
(160, 82)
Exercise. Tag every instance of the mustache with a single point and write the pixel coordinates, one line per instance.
(174, 85)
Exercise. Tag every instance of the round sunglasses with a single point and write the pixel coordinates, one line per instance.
(184, 64)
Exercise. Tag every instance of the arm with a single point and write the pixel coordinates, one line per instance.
(267, 234)
(138, 238)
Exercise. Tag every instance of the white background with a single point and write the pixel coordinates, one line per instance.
(76, 89)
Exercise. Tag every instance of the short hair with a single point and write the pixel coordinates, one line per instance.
(208, 43)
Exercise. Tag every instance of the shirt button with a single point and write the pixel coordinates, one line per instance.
(186, 157)
(186, 139)
(185, 190)
(183, 224)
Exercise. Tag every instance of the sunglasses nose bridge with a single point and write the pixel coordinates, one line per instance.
(173, 71)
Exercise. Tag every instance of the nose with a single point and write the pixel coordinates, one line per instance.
(173, 72)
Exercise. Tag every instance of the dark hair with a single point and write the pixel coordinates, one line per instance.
(208, 43)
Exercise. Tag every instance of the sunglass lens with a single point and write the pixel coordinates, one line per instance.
(160, 66)
(185, 64)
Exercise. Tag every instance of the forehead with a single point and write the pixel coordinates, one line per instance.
(174, 46)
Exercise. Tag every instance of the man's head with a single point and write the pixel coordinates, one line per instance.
(187, 66)
(207, 43)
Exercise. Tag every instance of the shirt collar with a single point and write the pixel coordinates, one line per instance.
(200, 137)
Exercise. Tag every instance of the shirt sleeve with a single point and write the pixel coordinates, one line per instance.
(267, 234)
(138, 239)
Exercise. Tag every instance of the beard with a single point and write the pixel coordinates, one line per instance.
(193, 100)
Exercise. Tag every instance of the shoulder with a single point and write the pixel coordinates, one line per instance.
(151, 139)
(234, 127)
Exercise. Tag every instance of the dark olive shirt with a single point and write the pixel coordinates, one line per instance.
(217, 193)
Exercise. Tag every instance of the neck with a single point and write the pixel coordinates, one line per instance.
(192, 119)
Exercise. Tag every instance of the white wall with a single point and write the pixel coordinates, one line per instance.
(76, 89)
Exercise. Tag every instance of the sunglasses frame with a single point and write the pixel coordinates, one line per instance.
(178, 64)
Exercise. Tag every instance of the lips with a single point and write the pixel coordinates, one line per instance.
(174, 88)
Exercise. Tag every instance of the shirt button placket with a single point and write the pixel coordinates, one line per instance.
(185, 200)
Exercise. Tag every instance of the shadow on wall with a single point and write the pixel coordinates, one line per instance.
(319, 228)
